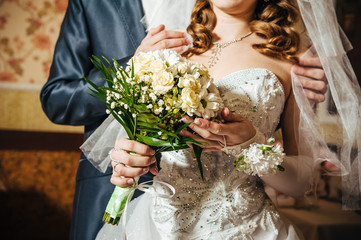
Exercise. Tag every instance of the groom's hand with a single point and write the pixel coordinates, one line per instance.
(126, 166)
(310, 73)
(158, 38)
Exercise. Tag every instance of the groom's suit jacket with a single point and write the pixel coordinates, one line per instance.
(109, 28)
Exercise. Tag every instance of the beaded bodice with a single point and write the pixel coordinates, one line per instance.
(227, 203)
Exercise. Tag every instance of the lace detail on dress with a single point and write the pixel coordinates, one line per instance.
(227, 204)
(255, 93)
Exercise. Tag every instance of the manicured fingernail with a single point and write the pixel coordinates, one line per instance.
(185, 48)
(189, 38)
(156, 169)
(130, 181)
(185, 120)
(197, 121)
(295, 69)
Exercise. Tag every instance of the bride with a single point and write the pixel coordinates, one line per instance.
(249, 47)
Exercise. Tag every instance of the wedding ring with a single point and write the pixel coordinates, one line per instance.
(110, 154)
(116, 163)
(224, 146)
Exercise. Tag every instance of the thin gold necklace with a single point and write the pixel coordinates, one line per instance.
(217, 49)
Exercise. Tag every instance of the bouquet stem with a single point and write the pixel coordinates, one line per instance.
(117, 202)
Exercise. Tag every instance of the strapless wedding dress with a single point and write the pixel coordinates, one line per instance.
(227, 204)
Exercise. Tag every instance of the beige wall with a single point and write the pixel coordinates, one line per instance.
(21, 110)
(28, 33)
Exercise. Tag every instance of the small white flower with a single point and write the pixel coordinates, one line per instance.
(153, 96)
(171, 57)
(107, 111)
(182, 68)
(112, 105)
(160, 103)
(134, 115)
(158, 110)
(149, 106)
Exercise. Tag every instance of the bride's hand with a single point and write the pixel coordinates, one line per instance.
(158, 38)
(215, 136)
(127, 166)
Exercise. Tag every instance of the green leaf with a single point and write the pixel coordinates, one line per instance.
(198, 152)
(266, 148)
(182, 127)
(106, 60)
(142, 108)
(150, 126)
(191, 140)
(132, 69)
(280, 168)
(153, 141)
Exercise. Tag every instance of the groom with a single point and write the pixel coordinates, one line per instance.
(110, 29)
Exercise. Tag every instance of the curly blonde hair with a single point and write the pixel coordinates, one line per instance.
(272, 20)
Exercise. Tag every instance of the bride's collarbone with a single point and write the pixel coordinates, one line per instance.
(237, 60)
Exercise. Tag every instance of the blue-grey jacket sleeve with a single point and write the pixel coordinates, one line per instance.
(65, 97)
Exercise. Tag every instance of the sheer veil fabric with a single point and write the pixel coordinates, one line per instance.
(331, 45)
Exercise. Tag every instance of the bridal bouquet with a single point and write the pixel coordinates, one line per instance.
(260, 159)
(149, 97)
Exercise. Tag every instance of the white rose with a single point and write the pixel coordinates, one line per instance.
(157, 66)
(162, 82)
(189, 81)
(203, 70)
(190, 100)
(182, 68)
(142, 62)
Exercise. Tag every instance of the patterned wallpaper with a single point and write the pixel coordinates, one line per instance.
(28, 33)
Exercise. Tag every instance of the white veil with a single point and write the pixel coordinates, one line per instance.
(331, 46)
(175, 15)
